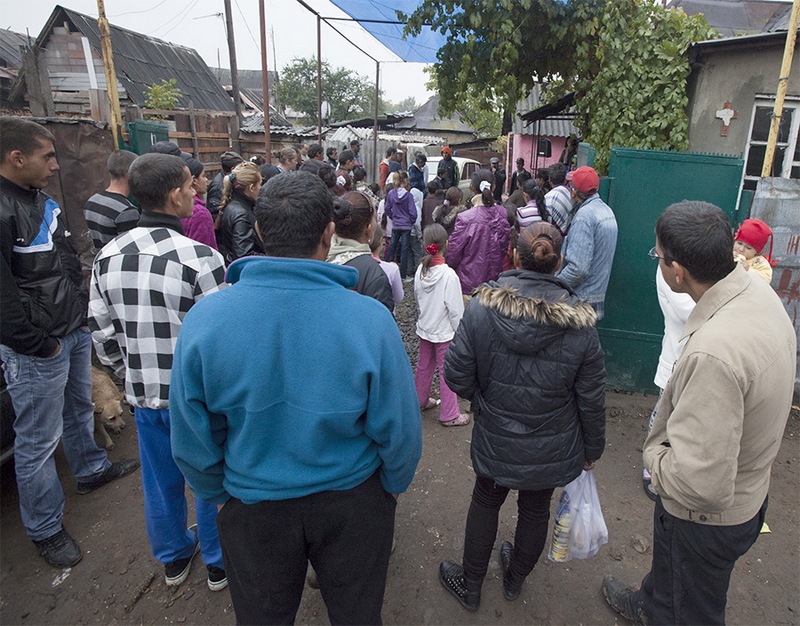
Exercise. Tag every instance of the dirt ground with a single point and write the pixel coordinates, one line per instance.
(119, 582)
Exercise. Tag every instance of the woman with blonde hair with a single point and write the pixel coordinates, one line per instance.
(287, 159)
(237, 230)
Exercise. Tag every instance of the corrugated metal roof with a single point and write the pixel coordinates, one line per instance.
(739, 17)
(10, 54)
(255, 124)
(547, 127)
(141, 61)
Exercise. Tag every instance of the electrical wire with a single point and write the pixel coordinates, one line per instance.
(138, 12)
(247, 26)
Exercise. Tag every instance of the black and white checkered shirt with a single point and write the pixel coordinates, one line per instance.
(143, 284)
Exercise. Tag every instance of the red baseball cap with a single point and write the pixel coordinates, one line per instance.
(584, 179)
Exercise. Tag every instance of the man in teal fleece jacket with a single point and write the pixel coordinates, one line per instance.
(293, 403)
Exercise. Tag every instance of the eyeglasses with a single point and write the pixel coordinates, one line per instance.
(654, 255)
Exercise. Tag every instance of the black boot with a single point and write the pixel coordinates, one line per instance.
(511, 586)
(625, 601)
(467, 592)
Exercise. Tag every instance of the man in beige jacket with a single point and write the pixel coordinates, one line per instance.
(719, 425)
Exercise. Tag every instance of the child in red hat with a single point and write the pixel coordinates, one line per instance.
(749, 242)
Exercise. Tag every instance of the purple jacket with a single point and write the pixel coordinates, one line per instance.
(478, 245)
(200, 226)
(401, 209)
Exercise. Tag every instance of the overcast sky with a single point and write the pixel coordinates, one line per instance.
(200, 24)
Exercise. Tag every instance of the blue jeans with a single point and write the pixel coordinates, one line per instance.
(403, 239)
(165, 508)
(52, 399)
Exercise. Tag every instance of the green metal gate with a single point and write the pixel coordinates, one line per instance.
(641, 184)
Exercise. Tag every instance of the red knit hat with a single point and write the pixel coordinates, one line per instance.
(755, 233)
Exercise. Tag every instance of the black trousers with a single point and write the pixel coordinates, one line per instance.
(347, 536)
(529, 538)
(692, 564)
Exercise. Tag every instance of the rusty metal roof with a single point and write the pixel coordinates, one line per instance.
(140, 61)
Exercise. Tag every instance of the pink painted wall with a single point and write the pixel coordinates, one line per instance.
(525, 146)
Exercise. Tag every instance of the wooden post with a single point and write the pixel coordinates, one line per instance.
(375, 122)
(319, 79)
(233, 130)
(193, 130)
(111, 75)
(265, 79)
(237, 99)
(37, 82)
(786, 66)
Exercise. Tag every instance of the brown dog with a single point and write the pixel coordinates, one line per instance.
(108, 408)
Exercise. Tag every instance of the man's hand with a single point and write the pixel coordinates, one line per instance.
(56, 352)
(588, 465)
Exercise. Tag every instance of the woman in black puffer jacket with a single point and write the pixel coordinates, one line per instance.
(528, 356)
(237, 230)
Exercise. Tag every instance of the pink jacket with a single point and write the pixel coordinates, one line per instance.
(200, 226)
(478, 245)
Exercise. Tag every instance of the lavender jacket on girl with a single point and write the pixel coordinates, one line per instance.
(401, 208)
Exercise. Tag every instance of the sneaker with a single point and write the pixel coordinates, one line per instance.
(649, 490)
(117, 470)
(59, 550)
(217, 579)
(451, 575)
(461, 420)
(178, 571)
(624, 601)
(408, 279)
(510, 589)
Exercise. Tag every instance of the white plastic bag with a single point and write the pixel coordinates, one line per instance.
(579, 528)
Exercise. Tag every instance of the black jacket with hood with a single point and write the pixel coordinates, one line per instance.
(528, 356)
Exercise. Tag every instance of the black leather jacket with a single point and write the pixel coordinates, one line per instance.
(237, 229)
(41, 286)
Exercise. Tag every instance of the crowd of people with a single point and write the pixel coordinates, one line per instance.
(253, 329)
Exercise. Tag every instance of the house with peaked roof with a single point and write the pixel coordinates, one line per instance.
(733, 18)
(74, 62)
(427, 121)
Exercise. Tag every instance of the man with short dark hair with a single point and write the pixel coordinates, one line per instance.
(333, 157)
(515, 176)
(591, 242)
(44, 343)
(719, 425)
(143, 284)
(315, 152)
(109, 213)
(355, 147)
(228, 161)
(303, 421)
(416, 173)
(344, 175)
(558, 200)
(384, 168)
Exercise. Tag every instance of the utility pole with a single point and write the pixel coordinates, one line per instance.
(786, 66)
(319, 79)
(111, 75)
(237, 99)
(262, 14)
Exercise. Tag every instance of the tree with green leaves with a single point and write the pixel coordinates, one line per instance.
(164, 96)
(624, 59)
(348, 94)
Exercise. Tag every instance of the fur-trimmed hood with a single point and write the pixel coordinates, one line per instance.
(530, 310)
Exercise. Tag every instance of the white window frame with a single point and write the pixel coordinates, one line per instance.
(768, 101)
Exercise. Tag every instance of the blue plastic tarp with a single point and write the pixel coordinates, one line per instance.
(419, 49)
